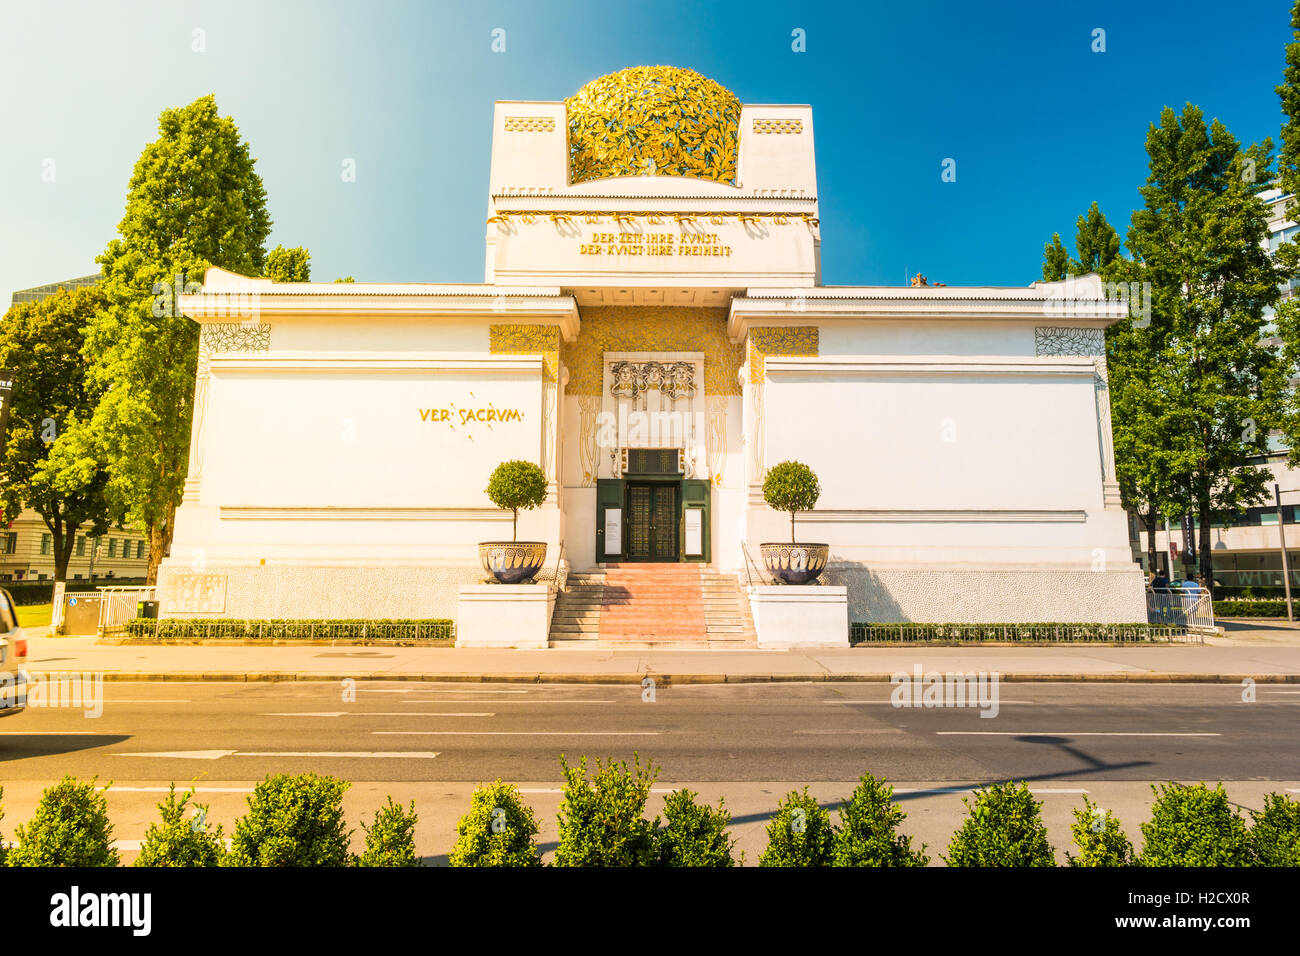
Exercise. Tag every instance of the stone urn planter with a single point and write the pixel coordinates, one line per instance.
(794, 563)
(512, 562)
(514, 485)
(792, 487)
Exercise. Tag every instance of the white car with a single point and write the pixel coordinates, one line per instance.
(13, 659)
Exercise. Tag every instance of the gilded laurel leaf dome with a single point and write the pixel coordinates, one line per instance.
(661, 120)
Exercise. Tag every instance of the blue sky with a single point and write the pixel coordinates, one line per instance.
(1040, 126)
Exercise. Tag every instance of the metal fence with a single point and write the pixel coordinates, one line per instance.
(284, 630)
(1191, 611)
(1017, 633)
(120, 604)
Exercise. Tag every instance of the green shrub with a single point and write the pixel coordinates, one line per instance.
(1275, 833)
(178, 841)
(293, 820)
(602, 822)
(791, 486)
(800, 833)
(4, 850)
(868, 831)
(1194, 826)
(1004, 828)
(1099, 837)
(515, 485)
(499, 830)
(1250, 608)
(694, 834)
(390, 840)
(70, 828)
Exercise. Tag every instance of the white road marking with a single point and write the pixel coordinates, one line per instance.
(872, 730)
(382, 713)
(115, 789)
(1063, 733)
(147, 700)
(972, 790)
(218, 754)
(435, 690)
(892, 704)
(561, 790)
(526, 703)
(516, 733)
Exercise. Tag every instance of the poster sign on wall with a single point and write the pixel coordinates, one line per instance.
(6, 394)
(613, 530)
(694, 532)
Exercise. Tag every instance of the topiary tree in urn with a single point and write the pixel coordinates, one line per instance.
(792, 486)
(515, 485)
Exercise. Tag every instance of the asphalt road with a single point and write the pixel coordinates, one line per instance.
(750, 743)
(695, 733)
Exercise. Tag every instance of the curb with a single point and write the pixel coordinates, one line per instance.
(669, 679)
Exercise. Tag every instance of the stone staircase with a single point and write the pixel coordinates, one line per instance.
(659, 605)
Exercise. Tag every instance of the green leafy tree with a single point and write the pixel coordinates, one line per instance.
(1199, 241)
(70, 828)
(693, 833)
(1194, 826)
(195, 201)
(602, 821)
(791, 486)
(178, 841)
(1099, 837)
(47, 464)
(1096, 242)
(515, 485)
(1003, 828)
(799, 834)
(1288, 165)
(345, 279)
(868, 831)
(293, 820)
(499, 830)
(390, 840)
(1275, 832)
(288, 265)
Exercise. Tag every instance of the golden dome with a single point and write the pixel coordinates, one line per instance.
(653, 119)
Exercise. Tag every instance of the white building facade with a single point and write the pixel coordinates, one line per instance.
(653, 332)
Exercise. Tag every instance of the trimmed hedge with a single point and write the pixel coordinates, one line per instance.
(1250, 608)
(173, 629)
(906, 633)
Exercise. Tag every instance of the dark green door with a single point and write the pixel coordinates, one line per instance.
(652, 515)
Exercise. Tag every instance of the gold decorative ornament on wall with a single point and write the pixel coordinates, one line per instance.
(664, 118)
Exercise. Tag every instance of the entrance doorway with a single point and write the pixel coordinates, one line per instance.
(652, 518)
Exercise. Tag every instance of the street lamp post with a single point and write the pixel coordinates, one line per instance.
(1281, 537)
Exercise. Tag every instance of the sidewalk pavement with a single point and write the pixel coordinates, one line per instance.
(1263, 652)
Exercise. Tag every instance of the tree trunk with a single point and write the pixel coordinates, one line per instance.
(155, 536)
(63, 552)
(160, 542)
(1206, 556)
(514, 526)
(1149, 519)
(792, 527)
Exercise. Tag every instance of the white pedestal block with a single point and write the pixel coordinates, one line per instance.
(800, 616)
(504, 615)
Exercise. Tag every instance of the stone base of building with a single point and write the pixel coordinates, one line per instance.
(505, 615)
(312, 591)
(991, 596)
(800, 616)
